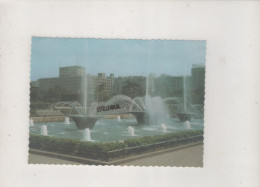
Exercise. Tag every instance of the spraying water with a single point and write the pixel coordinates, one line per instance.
(118, 118)
(155, 108)
(184, 94)
(67, 120)
(85, 94)
(86, 135)
(131, 131)
(164, 128)
(188, 124)
(44, 131)
(31, 122)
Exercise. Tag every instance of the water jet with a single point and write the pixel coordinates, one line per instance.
(44, 131)
(86, 135)
(163, 126)
(31, 122)
(131, 131)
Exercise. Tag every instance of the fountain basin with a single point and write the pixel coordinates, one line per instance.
(184, 116)
(85, 121)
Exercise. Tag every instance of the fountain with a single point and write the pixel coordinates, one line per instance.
(85, 119)
(147, 109)
(126, 105)
(185, 115)
(155, 109)
(86, 135)
(154, 106)
(163, 126)
(67, 120)
(131, 131)
(31, 122)
(44, 131)
(188, 124)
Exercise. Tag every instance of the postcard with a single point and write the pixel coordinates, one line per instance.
(117, 102)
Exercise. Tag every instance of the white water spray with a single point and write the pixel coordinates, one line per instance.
(85, 94)
(131, 131)
(86, 135)
(188, 124)
(164, 128)
(155, 108)
(67, 121)
(31, 122)
(118, 118)
(44, 130)
(184, 94)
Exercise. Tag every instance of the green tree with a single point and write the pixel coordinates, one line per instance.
(36, 94)
(131, 89)
(54, 94)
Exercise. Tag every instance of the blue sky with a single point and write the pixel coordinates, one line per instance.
(121, 57)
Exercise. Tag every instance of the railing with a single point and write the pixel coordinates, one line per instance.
(148, 147)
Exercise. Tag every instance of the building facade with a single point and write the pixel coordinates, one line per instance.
(72, 78)
(132, 86)
(71, 71)
(101, 87)
(198, 83)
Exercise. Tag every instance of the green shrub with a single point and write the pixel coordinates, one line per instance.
(103, 150)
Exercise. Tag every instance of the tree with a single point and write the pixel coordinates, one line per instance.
(36, 94)
(131, 89)
(54, 94)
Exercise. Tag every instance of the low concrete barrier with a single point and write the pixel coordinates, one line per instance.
(48, 119)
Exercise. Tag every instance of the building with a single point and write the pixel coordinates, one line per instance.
(35, 84)
(132, 86)
(100, 88)
(171, 86)
(198, 83)
(72, 78)
(198, 76)
(71, 71)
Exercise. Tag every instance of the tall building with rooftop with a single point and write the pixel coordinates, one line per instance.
(71, 71)
(70, 78)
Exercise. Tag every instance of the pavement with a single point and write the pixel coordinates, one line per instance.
(39, 159)
(187, 157)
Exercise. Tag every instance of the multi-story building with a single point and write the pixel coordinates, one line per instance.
(198, 83)
(35, 84)
(72, 79)
(198, 76)
(71, 71)
(171, 86)
(132, 86)
(100, 87)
